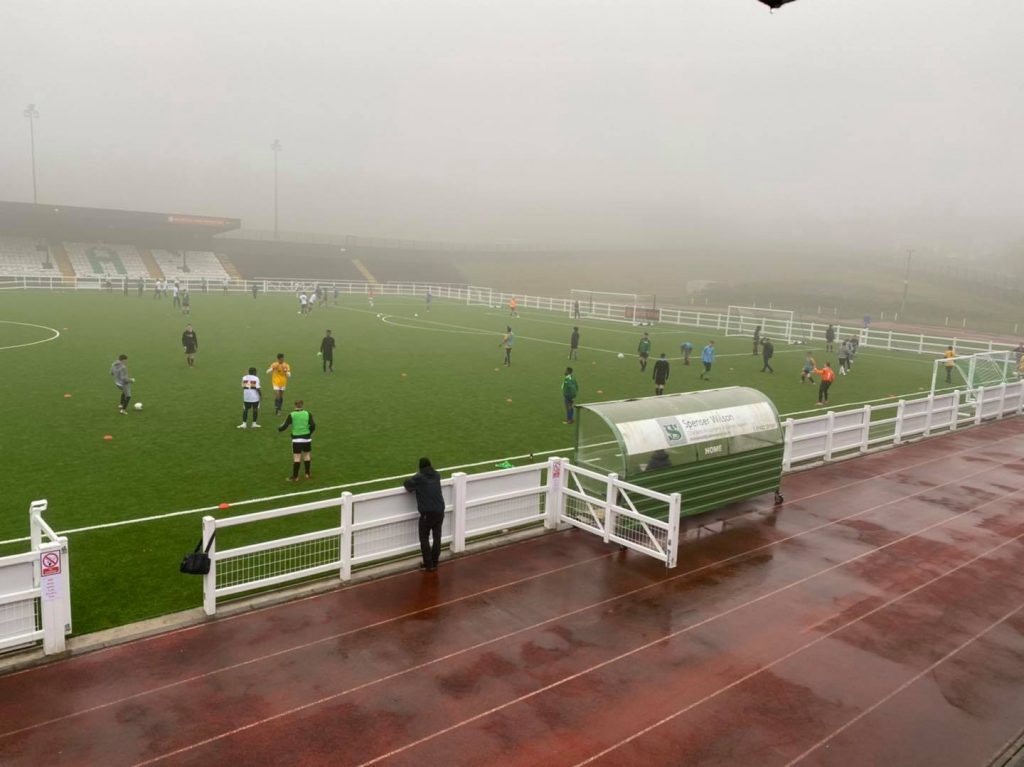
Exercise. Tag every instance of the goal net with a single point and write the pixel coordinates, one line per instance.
(774, 323)
(634, 308)
(479, 296)
(970, 372)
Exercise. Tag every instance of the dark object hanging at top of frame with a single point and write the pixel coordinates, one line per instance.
(773, 4)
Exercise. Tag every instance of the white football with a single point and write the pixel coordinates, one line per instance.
(621, 355)
(138, 406)
(415, 315)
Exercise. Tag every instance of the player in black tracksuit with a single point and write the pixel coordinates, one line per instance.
(190, 343)
(767, 352)
(660, 374)
(426, 483)
(327, 350)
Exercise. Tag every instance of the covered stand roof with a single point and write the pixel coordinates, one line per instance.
(689, 427)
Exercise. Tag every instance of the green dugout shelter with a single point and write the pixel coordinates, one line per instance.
(714, 446)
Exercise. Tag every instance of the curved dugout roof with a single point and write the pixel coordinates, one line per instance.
(737, 418)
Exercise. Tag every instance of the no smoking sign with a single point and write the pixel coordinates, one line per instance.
(49, 563)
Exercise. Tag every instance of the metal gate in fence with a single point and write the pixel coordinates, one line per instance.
(606, 506)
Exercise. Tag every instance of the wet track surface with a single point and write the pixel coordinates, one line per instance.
(877, 617)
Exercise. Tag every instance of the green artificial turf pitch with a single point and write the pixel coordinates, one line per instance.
(403, 386)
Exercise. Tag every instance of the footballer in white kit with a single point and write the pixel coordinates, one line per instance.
(251, 396)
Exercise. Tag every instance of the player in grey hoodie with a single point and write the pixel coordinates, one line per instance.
(119, 370)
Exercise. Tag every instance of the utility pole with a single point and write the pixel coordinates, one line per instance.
(32, 114)
(276, 149)
(906, 283)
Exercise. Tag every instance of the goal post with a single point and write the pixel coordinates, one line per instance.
(774, 323)
(973, 371)
(634, 308)
(476, 296)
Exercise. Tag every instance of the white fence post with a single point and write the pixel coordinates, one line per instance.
(54, 601)
(674, 512)
(610, 497)
(979, 404)
(35, 526)
(345, 542)
(898, 431)
(553, 498)
(865, 435)
(458, 544)
(829, 435)
(954, 419)
(1002, 399)
(928, 415)
(210, 579)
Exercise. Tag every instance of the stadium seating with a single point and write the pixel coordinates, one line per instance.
(393, 265)
(22, 257)
(201, 264)
(257, 262)
(106, 260)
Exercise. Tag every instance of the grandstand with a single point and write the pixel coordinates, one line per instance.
(190, 265)
(24, 257)
(89, 245)
(106, 260)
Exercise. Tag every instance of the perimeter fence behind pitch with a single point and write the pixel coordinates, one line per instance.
(711, 321)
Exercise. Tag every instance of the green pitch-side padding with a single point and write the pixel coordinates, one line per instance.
(713, 447)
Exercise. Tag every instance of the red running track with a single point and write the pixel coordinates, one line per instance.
(876, 618)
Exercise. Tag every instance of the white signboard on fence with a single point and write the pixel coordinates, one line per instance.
(651, 434)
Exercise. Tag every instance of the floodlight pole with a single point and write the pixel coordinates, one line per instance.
(276, 149)
(906, 283)
(32, 113)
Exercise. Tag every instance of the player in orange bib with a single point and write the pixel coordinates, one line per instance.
(828, 375)
(280, 371)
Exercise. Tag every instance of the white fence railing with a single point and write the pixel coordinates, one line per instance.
(375, 527)
(835, 435)
(889, 340)
(372, 528)
(35, 590)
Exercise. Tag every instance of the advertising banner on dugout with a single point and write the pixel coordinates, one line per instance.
(652, 434)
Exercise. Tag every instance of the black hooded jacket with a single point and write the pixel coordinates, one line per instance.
(427, 485)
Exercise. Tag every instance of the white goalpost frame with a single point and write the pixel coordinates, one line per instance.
(975, 371)
(477, 296)
(636, 309)
(774, 323)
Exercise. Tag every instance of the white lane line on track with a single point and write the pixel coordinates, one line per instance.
(706, 621)
(962, 646)
(806, 646)
(593, 606)
(450, 602)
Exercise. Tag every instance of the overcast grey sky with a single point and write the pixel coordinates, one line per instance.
(658, 122)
